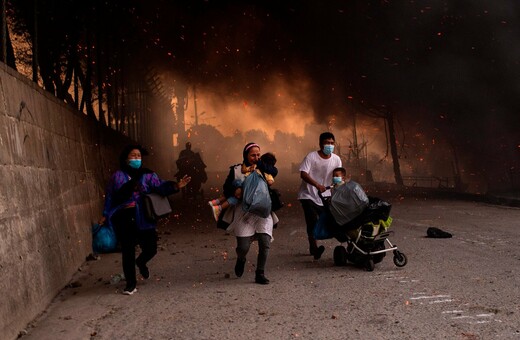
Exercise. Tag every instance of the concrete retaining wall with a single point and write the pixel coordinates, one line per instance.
(54, 165)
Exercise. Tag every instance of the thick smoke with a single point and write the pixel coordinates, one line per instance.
(448, 72)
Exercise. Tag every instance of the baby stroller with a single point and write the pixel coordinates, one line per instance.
(360, 223)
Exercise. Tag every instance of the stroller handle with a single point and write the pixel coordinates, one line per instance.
(323, 199)
(326, 188)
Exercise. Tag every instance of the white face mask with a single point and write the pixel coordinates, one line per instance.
(337, 180)
(328, 149)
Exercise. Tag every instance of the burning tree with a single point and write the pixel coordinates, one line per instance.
(387, 115)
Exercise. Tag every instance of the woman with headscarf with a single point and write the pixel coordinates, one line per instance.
(248, 226)
(124, 208)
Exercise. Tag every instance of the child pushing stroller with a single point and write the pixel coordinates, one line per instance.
(359, 222)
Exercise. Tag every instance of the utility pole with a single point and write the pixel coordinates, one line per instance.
(355, 147)
(195, 105)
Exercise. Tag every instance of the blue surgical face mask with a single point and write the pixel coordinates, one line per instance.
(328, 149)
(134, 163)
(337, 180)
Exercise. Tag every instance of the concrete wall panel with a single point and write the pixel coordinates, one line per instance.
(54, 164)
(3, 101)
(5, 140)
(8, 96)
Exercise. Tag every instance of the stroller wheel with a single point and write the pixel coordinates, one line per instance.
(369, 265)
(400, 259)
(340, 256)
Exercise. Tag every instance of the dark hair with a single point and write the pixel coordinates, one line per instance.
(268, 158)
(326, 135)
(123, 156)
(343, 171)
(246, 150)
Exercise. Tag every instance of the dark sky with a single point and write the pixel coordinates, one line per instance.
(452, 56)
(454, 62)
(447, 70)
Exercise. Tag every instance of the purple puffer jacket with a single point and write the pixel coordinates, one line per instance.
(149, 182)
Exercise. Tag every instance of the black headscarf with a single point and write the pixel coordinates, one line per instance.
(126, 190)
(123, 161)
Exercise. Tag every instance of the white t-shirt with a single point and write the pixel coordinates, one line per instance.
(320, 170)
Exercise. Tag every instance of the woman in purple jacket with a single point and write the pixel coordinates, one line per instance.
(124, 209)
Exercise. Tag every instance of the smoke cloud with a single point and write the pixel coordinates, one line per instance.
(448, 71)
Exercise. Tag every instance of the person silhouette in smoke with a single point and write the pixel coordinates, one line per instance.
(316, 174)
(190, 163)
(187, 153)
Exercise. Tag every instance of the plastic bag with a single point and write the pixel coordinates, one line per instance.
(347, 202)
(103, 238)
(321, 229)
(256, 199)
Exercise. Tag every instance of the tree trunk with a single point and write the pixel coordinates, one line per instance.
(35, 43)
(393, 148)
(7, 46)
(99, 32)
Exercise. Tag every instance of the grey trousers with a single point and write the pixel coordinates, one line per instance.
(264, 244)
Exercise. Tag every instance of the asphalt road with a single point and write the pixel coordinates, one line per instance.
(464, 287)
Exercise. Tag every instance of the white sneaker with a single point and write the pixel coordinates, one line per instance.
(129, 291)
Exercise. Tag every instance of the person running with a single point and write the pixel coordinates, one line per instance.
(124, 209)
(316, 174)
(218, 205)
(248, 226)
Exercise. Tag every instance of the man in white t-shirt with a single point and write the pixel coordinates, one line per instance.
(316, 174)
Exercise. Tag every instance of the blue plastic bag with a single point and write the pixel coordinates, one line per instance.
(256, 199)
(321, 231)
(103, 238)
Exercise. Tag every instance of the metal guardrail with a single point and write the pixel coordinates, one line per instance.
(429, 181)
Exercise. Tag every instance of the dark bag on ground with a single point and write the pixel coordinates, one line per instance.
(256, 199)
(103, 238)
(276, 199)
(433, 232)
(156, 206)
